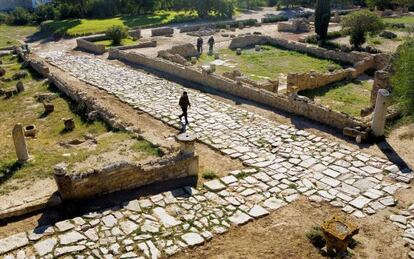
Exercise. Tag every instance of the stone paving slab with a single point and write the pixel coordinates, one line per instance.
(286, 163)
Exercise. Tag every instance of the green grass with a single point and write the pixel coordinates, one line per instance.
(209, 175)
(404, 19)
(45, 149)
(269, 62)
(124, 42)
(79, 27)
(349, 98)
(146, 147)
(11, 34)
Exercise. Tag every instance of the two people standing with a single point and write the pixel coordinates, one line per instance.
(210, 42)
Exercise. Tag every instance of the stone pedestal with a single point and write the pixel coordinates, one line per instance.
(212, 68)
(380, 112)
(238, 51)
(338, 231)
(187, 148)
(258, 48)
(20, 143)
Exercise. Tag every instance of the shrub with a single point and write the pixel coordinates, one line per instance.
(116, 33)
(403, 78)
(45, 12)
(21, 16)
(209, 175)
(361, 23)
(4, 18)
(315, 236)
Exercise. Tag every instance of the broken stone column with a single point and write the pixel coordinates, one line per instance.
(381, 81)
(20, 87)
(69, 124)
(238, 51)
(258, 48)
(187, 148)
(380, 112)
(20, 143)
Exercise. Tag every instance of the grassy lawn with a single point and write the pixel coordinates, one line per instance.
(45, 148)
(349, 98)
(11, 34)
(78, 27)
(124, 42)
(268, 63)
(404, 19)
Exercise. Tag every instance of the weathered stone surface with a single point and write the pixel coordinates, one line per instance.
(68, 250)
(214, 185)
(166, 219)
(13, 242)
(399, 219)
(239, 218)
(273, 203)
(360, 202)
(258, 211)
(70, 237)
(192, 239)
(45, 246)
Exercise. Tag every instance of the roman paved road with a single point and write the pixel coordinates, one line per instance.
(285, 163)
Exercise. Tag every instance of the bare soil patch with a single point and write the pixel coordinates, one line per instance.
(283, 235)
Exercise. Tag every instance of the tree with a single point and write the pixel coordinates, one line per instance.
(21, 16)
(380, 4)
(403, 78)
(322, 18)
(361, 23)
(116, 33)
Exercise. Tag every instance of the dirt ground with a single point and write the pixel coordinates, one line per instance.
(282, 234)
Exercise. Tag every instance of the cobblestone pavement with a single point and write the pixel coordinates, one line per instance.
(405, 220)
(285, 163)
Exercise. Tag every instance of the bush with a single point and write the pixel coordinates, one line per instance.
(361, 23)
(4, 18)
(403, 78)
(315, 236)
(209, 175)
(275, 18)
(116, 33)
(102, 8)
(21, 16)
(45, 12)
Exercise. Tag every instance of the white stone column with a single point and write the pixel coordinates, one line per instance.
(187, 148)
(20, 143)
(380, 112)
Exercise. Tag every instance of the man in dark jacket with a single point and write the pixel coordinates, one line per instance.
(211, 42)
(184, 104)
(200, 45)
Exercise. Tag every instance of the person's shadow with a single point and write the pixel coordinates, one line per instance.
(183, 127)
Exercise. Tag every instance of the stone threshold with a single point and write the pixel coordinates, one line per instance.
(31, 206)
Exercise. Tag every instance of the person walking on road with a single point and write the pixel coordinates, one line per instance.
(184, 104)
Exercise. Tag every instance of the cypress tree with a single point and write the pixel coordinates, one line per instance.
(322, 18)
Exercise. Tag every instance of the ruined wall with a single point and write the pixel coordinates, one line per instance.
(190, 28)
(123, 176)
(163, 31)
(90, 46)
(293, 104)
(339, 56)
(303, 81)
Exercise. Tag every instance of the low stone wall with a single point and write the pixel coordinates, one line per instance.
(90, 46)
(220, 25)
(124, 176)
(163, 31)
(303, 81)
(39, 65)
(293, 103)
(339, 56)
(311, 80)
(146, 44)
